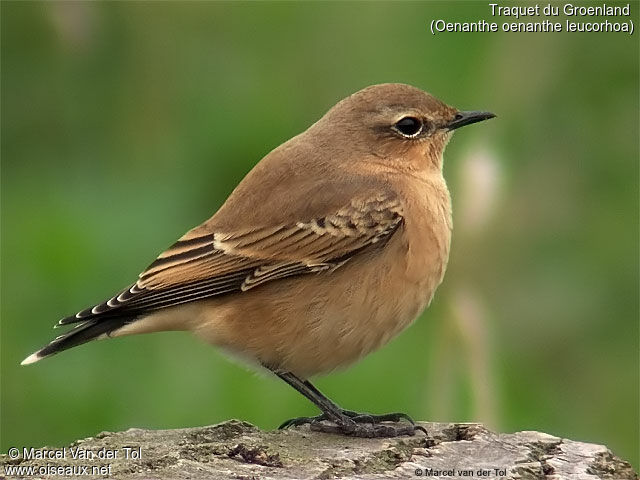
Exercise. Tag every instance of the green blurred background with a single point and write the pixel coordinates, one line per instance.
(125, 124)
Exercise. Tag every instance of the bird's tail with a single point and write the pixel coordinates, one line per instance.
(82, 333)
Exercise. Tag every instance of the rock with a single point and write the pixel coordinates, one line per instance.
(239, 450)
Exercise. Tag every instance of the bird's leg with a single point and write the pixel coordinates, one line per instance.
(330, 411)
(337, 420)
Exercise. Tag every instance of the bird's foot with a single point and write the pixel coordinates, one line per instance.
(359, 424)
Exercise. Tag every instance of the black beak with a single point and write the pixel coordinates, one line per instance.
(467, 118)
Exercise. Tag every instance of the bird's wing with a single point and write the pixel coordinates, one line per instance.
(205, 264)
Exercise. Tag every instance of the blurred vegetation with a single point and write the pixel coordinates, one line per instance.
(125, 124)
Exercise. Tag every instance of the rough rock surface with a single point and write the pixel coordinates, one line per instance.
(238, 450)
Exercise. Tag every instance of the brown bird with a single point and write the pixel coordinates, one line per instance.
(333, 244)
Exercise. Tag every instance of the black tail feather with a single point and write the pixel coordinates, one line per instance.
(83, 333)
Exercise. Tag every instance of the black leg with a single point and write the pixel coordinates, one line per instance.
(337, 420)
(330, 410)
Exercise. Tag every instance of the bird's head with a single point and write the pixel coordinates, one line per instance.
(394, 123)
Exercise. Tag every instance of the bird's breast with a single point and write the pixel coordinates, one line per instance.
(428, 234)
(424, 243)
(388, 289)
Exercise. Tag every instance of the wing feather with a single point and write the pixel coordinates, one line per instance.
(206, 265)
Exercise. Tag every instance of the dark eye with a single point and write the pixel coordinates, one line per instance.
(408, 126)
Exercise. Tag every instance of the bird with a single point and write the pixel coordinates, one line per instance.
(328, 248)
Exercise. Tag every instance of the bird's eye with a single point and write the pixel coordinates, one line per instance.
(408, 126)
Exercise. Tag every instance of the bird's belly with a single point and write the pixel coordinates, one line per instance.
(317, 323)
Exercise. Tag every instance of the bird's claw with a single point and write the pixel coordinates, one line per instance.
(296, 422)
(360, 424)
